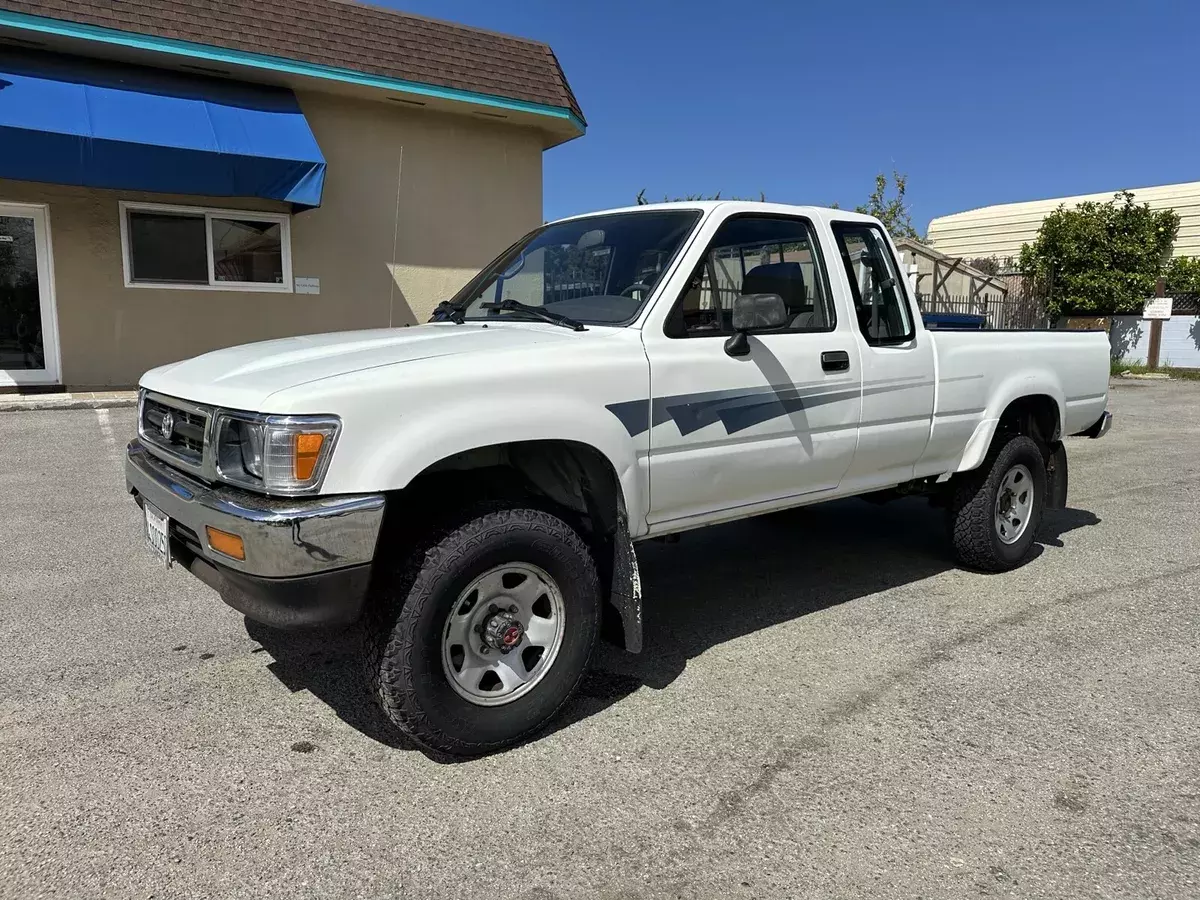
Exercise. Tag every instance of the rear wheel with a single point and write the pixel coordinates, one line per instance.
(994, 512)
(487, 633)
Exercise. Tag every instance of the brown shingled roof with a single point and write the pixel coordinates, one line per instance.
(348, 35)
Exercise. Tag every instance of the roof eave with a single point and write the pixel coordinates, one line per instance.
(559, 124)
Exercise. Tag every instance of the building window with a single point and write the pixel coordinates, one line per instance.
(205, 249)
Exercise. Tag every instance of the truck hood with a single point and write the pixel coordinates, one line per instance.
(245, 377)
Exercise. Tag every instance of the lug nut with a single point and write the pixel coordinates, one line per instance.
(514, 609)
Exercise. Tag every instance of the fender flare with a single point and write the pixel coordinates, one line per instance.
(1015, 387)
(395, 462)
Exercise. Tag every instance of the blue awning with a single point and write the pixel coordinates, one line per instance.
(69, 120)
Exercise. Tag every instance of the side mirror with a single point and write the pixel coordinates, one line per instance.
(754, 312)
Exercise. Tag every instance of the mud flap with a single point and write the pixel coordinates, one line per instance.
(1056, 476)
(626, 593)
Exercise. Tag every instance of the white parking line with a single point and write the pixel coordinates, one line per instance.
(104, 419)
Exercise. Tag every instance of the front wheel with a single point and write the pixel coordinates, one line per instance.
(488, 633)
(995, 512)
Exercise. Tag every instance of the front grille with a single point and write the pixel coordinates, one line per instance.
(174, 429)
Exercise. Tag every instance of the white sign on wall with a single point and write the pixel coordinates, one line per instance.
(1157, 308)
(308, 285)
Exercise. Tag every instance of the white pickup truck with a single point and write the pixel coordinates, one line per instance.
(470, 491)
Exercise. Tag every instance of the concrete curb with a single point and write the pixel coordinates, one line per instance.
(26, 404)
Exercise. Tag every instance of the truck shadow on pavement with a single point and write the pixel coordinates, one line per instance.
(712, 586)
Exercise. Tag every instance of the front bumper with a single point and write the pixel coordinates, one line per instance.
(308, 561)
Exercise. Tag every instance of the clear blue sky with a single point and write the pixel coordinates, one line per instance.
(977, 102)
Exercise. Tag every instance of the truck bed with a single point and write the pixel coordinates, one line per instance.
(978, 373)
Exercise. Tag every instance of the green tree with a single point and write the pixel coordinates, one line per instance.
(1100, 258)
(891, 211)
(1183, 275)
(988, 265)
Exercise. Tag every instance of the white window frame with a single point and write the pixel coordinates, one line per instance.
(209, 213)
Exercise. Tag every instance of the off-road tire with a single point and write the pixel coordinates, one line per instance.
(971, 510)
(404, 630)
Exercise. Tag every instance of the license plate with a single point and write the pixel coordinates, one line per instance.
(158, 534)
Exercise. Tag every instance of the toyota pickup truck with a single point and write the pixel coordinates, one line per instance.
(469, 493)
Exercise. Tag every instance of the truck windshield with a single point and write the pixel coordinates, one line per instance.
(597, 270)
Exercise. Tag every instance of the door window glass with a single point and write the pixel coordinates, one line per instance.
(21, 339)
(879, 302)
(755, 255)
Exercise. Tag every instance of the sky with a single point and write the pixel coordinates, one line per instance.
(976, 102)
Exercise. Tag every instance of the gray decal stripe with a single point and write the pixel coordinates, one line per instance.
(882, 388)
(961, 378)
(696, 411)
(743, 408)
(959, 412)
(633, 414)
(747, 416)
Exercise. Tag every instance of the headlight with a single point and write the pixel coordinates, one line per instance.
(275, 454)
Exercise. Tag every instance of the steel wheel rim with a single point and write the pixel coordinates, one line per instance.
(482, 674)
(1014, 504)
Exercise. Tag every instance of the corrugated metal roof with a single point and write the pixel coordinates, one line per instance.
(1001, 230)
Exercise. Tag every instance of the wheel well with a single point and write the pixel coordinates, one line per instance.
(1035, 415)
(569, 479)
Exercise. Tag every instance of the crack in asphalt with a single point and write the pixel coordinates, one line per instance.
(786, 758)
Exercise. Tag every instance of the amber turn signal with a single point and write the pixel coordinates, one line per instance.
(224, 542)
(307, 452)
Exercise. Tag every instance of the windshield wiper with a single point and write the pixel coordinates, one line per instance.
(447, 312)
(537, 311)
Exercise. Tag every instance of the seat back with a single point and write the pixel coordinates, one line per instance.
(787, 280)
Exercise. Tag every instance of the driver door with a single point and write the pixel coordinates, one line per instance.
(736, 432)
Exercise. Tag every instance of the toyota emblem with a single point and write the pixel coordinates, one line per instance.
(167, 428)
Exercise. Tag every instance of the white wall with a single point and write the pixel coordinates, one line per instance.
(1180, 346)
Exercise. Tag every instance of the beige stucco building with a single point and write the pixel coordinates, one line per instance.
(427, 175)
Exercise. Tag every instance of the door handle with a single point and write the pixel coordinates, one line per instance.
(835, 361)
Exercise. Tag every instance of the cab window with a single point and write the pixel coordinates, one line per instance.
(755, 254)
(879, 302)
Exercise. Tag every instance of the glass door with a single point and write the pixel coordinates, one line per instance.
(28, 321)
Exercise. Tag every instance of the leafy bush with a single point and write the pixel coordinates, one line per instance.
(1100, 258)
(988, 265)
(1183, 275)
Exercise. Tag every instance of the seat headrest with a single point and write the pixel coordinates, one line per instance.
(783, 278)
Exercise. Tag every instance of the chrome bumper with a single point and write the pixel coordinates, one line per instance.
(284, 537)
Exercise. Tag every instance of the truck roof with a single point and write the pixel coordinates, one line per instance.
(741, 206)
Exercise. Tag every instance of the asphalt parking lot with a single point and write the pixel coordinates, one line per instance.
(826, 708)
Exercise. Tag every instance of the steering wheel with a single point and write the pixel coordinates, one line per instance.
(637, 286)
